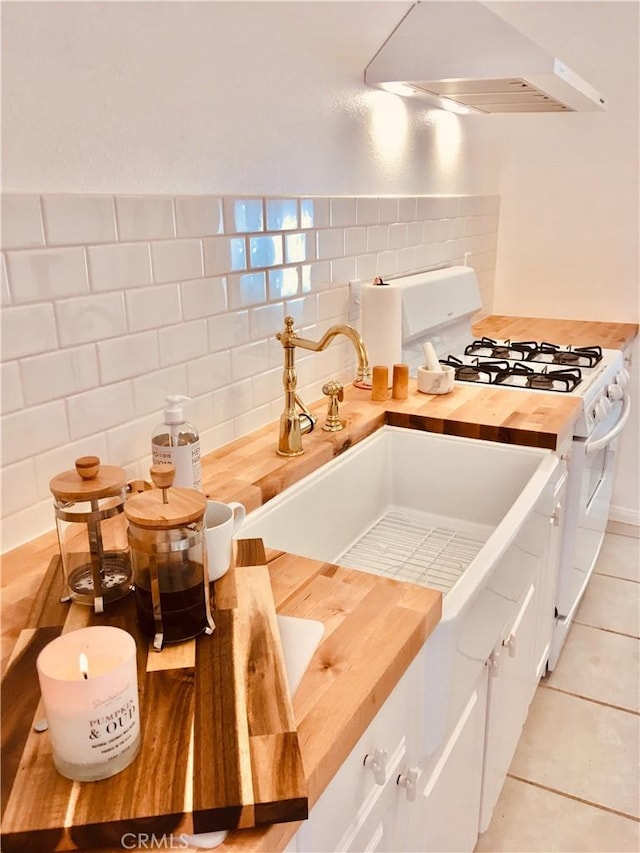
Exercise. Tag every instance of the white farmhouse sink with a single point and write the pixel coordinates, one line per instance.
(467, 517)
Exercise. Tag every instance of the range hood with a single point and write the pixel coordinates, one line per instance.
(462, 56)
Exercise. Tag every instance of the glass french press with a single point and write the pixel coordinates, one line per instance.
(92, 532)
(169, 559)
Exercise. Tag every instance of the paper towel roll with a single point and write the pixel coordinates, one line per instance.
(382, 324)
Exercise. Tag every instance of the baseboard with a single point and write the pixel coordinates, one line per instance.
(624, 515)
(622, 529)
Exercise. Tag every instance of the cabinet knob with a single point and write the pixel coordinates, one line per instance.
(377, 761)
(409, 781)
(510, 643)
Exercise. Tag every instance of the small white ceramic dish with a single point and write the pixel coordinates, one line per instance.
(435, 381)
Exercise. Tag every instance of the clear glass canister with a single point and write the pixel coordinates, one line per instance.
(168, 554)
(92, 532)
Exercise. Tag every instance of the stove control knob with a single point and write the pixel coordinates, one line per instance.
(602, 409)
(615, 392)
(622, 377)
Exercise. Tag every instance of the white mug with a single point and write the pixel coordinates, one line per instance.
(221, 522)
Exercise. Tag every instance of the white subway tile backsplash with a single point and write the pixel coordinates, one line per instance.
(132, 355)
(333, 304)
(387, 263)
(232, 400)
(198, 215)
(407, 260)
(33, 430)
(131, 441)
(5, 296)
(19, 489)
(120, 266)
(10, 387)
(303, 310)
(283, 282)
(145, 217)
(407, 209)
(224, 254)
(377, 238)
(343, 212)
(316, 276)
(398, 235)
(153, 307)
(366, 211)
(414, 233)
(40, 322)
(355, 241)
(203, 297)
(182, 342)
(367, 267)
(97, 410)
(48, 465)
(228, 330)
(387, 210)
(267, 387)
(21, 221)
(208, 373)
(315, 213)
(342, 270)
(248, 360)
(151, 391)
(330, 243)
(282, 214)
(265, 251)
(73, 219)
(90, 318)
(247, 289)
(176, 259)
(39, 274)
(266, 320)
(299, 248)
(243, 215)
(258, 416)
(88, 328)
(58, 374)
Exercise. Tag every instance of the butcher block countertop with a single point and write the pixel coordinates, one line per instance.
(374, 627)
(248, 470)
(579, 333)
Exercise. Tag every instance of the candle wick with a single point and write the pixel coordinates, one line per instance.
(85, 676)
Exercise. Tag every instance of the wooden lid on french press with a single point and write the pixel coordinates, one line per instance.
(165, 507)
(89, 481)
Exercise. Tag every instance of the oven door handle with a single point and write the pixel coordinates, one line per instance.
(599, 443)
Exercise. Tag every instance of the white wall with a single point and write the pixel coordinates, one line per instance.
(222, 97)
(568, 244)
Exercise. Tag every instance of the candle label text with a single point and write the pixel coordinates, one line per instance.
(112, 732)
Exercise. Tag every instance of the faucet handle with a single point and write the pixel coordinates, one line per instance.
(335, 391)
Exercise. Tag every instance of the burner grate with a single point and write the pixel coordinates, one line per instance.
(417, 547)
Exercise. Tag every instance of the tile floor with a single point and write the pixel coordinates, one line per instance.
(574, 783)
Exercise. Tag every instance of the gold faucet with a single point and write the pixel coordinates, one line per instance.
(293, 423)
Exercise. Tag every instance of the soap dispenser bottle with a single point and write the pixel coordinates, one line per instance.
(177, 441)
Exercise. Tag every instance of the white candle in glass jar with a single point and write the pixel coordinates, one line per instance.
(89, 685)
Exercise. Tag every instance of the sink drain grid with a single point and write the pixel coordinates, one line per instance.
(409, 547)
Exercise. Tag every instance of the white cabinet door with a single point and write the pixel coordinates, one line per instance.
(445, 815)
(357, 806)
(512, 683)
